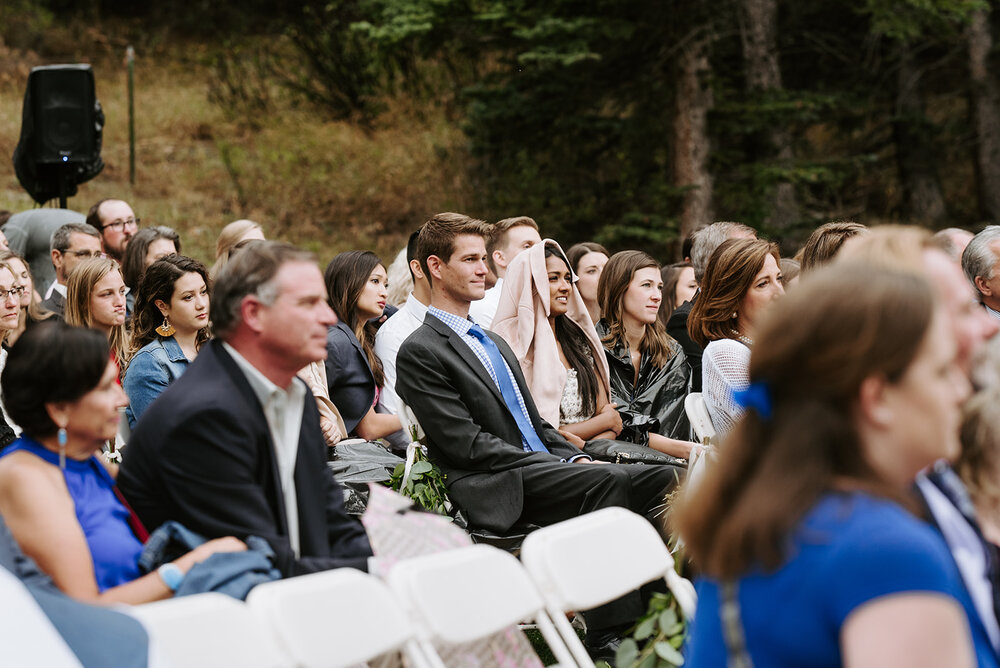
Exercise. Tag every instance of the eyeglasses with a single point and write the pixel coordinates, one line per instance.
(15, 291)
(120, 225)
(84, 254)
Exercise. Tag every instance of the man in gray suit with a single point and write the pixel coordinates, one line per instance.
(503, 463)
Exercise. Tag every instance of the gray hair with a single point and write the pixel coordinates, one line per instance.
(978, 258)
(60, 238)
(946, 240)
(250, 271)
(707, 239)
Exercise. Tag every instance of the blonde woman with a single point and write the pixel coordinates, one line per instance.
(95, 298)
(31, 309)
(232, 235)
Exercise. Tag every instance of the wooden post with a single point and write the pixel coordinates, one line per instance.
(130, 60)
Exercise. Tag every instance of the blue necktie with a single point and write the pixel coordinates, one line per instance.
(528, 433)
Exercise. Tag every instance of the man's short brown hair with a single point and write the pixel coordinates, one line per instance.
(437, 236)
(498, 235)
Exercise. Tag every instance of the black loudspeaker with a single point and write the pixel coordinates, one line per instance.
(62, 100)
(61, 127)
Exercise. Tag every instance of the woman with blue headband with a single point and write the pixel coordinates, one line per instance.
(812, 546)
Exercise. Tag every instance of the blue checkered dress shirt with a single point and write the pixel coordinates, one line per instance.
(461, 327)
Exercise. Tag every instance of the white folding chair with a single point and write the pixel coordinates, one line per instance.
(335, 618)
(210, 630)
(468, 594)
(27, 637)
(593, 559)
(701, 421)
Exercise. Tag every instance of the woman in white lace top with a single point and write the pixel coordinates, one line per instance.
(545, 320)
(742, 278)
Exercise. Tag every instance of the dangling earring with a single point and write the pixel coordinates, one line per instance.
(62, 448)
(735, 315)
(166, 329)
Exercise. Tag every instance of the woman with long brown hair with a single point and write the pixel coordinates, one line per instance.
(741, 280)
(544, 318)
(169, 326)
(356, 284)
(806, 530)
(649, 376)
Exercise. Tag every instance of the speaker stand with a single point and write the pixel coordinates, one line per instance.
(64, 173)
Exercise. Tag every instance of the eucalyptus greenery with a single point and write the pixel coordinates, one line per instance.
(425, 484)
(657, 637)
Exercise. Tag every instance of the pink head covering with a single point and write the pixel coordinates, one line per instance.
(522, 319)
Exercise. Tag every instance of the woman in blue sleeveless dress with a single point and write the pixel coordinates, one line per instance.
(807, 532)
(58, 500)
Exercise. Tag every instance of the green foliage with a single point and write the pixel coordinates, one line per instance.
(657, 637)
(910, 20)
(425, 484)
(23, 23)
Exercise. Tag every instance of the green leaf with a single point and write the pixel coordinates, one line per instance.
(668, 653)
(668, 619)
(648, 661)
(645, 628)
(627, 653)
(420, 468)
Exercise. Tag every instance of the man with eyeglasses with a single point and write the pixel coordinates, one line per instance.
(71, 244)
(116, 223)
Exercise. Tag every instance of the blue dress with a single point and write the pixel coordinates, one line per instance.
(104, 519)
(849, 549)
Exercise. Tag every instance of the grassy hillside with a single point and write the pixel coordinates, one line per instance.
(327, 186)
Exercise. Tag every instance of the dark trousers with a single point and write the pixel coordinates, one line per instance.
(558, 491)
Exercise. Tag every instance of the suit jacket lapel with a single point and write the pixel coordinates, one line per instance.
(465, 352)
(243, 386)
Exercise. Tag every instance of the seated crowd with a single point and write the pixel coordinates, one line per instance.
(830, 527)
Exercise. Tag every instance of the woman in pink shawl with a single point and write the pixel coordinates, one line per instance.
(545, 320)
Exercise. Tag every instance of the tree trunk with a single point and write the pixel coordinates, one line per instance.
(985, 108)
(759, 20)
(691, 143)
(915, 155)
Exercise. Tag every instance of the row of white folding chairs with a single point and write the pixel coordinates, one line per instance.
(345, 617)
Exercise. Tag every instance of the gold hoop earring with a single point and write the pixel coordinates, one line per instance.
(166, 329)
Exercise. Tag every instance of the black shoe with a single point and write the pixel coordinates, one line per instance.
(602, 646)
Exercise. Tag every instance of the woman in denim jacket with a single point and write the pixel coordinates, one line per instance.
(169, 326)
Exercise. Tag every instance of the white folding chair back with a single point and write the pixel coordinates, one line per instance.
(593, 559)
(701, 421)
(335, 618)
(27, 637)
(698, 462)
(470, 593)
(210, 630)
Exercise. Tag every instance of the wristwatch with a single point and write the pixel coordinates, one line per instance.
(171, 576)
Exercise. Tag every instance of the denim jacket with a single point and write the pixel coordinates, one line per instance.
(230, 573)
(154, 366)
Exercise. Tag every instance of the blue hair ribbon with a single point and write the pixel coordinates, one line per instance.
(756, 396)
